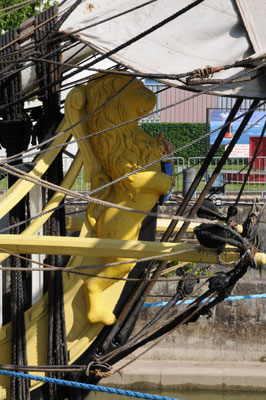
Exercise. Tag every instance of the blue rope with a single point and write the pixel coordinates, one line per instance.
(231, 298)
(86, 386)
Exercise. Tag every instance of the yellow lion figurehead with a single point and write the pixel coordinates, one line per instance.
(125, 148)
(133, 100)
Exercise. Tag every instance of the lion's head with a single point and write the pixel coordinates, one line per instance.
(133, 98)
(126, 148)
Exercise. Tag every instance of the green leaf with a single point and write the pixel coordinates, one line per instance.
(12, 17)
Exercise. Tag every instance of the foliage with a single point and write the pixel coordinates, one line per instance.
(12, 17)
(191, 269)
(180, 134)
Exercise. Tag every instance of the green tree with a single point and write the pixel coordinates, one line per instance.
(13, 12)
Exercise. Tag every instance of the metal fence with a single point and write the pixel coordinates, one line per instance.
(233, 174)
(79, 185)
(229, 181)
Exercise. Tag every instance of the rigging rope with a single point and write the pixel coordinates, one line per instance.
(91, 192)
(57, 343)
(214, 283)
(143, 289)
(19, 389)
(120, 125)
(55, 208)
(229, 298)
(86, 386)
(14, 136)
(52, 268)
(255, 154)
(22, 3)
(24, 154)
(221, 285)
(134, 172)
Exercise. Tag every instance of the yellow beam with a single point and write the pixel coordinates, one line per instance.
(162, 225)
(93, 247)
(43, 161)
(55, 200)
(75, 224)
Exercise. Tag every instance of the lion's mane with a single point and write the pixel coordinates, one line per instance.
(123, 149)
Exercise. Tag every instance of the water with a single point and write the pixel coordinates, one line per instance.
(188, 395)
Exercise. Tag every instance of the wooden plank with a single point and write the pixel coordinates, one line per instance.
(93, 247)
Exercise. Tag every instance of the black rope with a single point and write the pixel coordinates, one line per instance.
(15, 128)
(219, 286)
(210, 211)
(218, 235)
(48, 74)
(14, 136)
(183, 290)
(19, 388)
(251, 226)
(57, 342)
(250, 165)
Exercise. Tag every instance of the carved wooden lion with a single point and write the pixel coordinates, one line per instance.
(120, 149)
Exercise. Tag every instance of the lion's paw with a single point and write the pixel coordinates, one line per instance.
(101, 316)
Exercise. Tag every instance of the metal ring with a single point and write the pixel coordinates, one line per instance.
(227, 263)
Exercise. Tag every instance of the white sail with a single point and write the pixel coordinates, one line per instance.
(214, 33)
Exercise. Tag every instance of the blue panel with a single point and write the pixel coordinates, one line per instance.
(218, 117)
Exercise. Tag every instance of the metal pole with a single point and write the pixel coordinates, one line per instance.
(202, 169)
(138, 298)
(217, 170)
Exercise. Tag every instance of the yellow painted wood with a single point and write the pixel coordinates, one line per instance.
(118, 151)
(55, 200)
(94, 247)
(75, 223)
(162, 225)
(85, 250)
(43, 161)
(80, 333)
(75, 110)
(36, 318)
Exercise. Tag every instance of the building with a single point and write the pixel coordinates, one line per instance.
(192, 107)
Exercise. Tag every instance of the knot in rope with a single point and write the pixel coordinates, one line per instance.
(204, 73)
(209, 210)
(219, 282)
(216, 236)
(99, 369)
